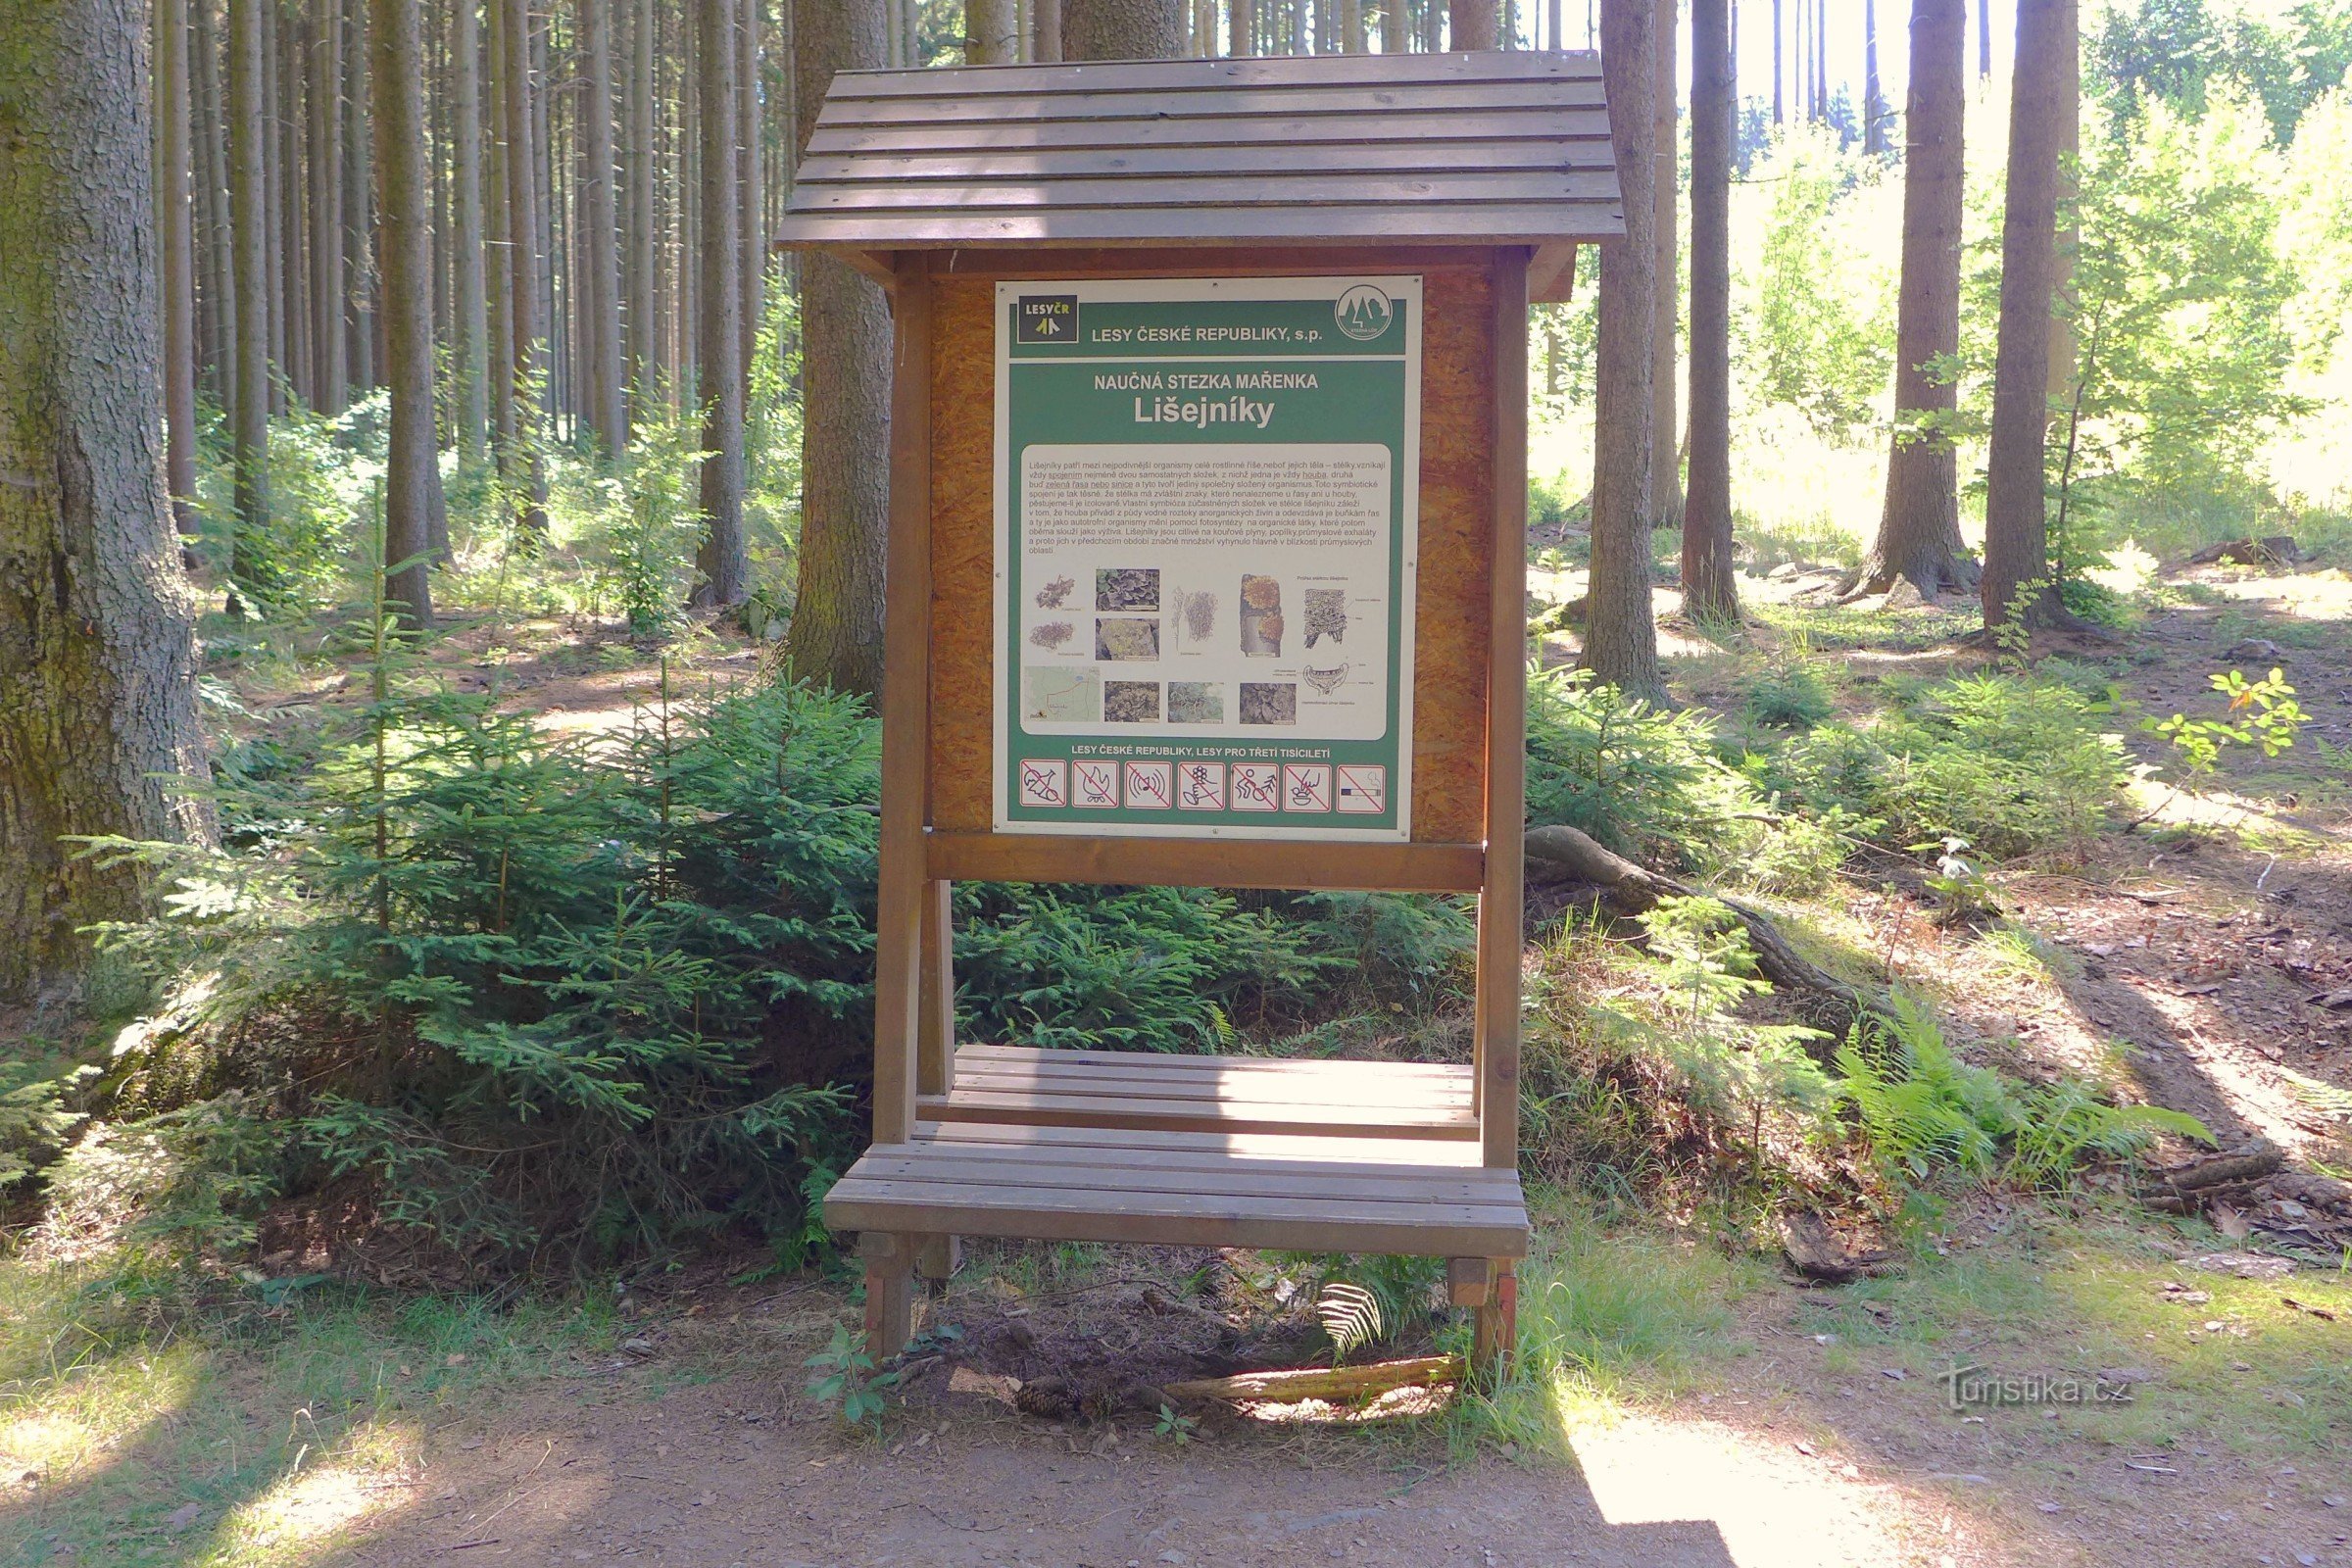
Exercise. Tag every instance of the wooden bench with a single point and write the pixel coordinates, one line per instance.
(1206, 1094)
(1345, 1193)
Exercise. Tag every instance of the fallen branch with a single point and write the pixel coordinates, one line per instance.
(1325, 1383)
(2185, 1189)
(1566, 855)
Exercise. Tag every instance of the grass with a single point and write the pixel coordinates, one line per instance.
(2079, 1296)
(136, 1430)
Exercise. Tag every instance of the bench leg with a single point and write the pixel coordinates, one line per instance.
(889, 1293)
(937, 1259)
(1495, 1329)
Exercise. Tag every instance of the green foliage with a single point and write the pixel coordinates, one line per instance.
(1643, 780)
(1178, 1429)
(843, 1375)
(2262, 714)
(1807, 343)
(2010, 763)
(1132, 968)
(1368, 1300)
(2183, 52)
(187, 1183)
(36, 1116)
(533, 992)
(1923, 1111)
(1788, 694)
(648, 521)
(2180, 303)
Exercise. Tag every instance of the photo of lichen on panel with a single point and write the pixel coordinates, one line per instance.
(1326, 614)
(1127, 588)
(1131, 702)
(1056, 593)
(1127, 637)
(1195, 702)
(1261, 616)
(1269, 703)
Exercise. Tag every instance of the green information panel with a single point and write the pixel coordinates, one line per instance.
(1207, 528)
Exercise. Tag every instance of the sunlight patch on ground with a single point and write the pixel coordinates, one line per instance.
(2324, 595)
(318, 1502)
(2215, 807)
(75, 1421)
(1772, 1502)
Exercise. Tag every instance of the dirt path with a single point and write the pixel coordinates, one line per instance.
(732, 1473)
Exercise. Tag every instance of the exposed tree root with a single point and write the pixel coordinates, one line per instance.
(1563, 854)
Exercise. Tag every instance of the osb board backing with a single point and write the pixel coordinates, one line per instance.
(1451, 643)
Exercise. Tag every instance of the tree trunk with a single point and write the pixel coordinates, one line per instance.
(1984, 40)
(1352, 26)
(327, 210)
(1919, 523)
(2064, 351)
(2016, 522)
(469, 350)
(836, 632)
(1621, 640)
(359, 228)
(1473, 25)
(1874, 108)
(98, 729)
(1392, 26)
(177, 226)
(1665, 472)
(1240, 34)
(250, 421)
(1126, 30)
(599, 253)
(273, 204)
(988, 32)
(1046, 21)
(645, 354)
(718, 385)
(498, 366)
(1710, 582)
(1780, 70)
(528, 370)
(411, 474)
(750, 223)
(219, 307)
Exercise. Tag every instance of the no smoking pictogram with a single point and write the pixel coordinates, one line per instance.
(1363, 788)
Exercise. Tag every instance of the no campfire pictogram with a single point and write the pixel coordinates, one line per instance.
(1363, 788)
(1305, 787)
(1256, 787)
(1148, 787)
(1096, 785)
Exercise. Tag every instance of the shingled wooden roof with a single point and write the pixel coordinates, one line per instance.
(1507, 148)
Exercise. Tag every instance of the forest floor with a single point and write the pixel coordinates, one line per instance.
(1724, 1412)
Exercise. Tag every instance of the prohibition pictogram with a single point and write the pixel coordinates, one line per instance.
(1201, 786)
(1363, 788)
(1305, 787)
(1041, 782)
(1148, 787)
(1256, 787)
(1094, 785)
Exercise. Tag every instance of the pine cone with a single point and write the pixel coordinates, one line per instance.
(1047, 1399)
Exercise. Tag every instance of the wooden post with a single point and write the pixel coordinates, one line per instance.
(905, 720)
(1497, 1007)
(1495, 1331)
(934, 1045)
(889, 1291)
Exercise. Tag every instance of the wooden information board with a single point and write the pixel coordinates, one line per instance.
(1206, 569)
(1205, 507)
